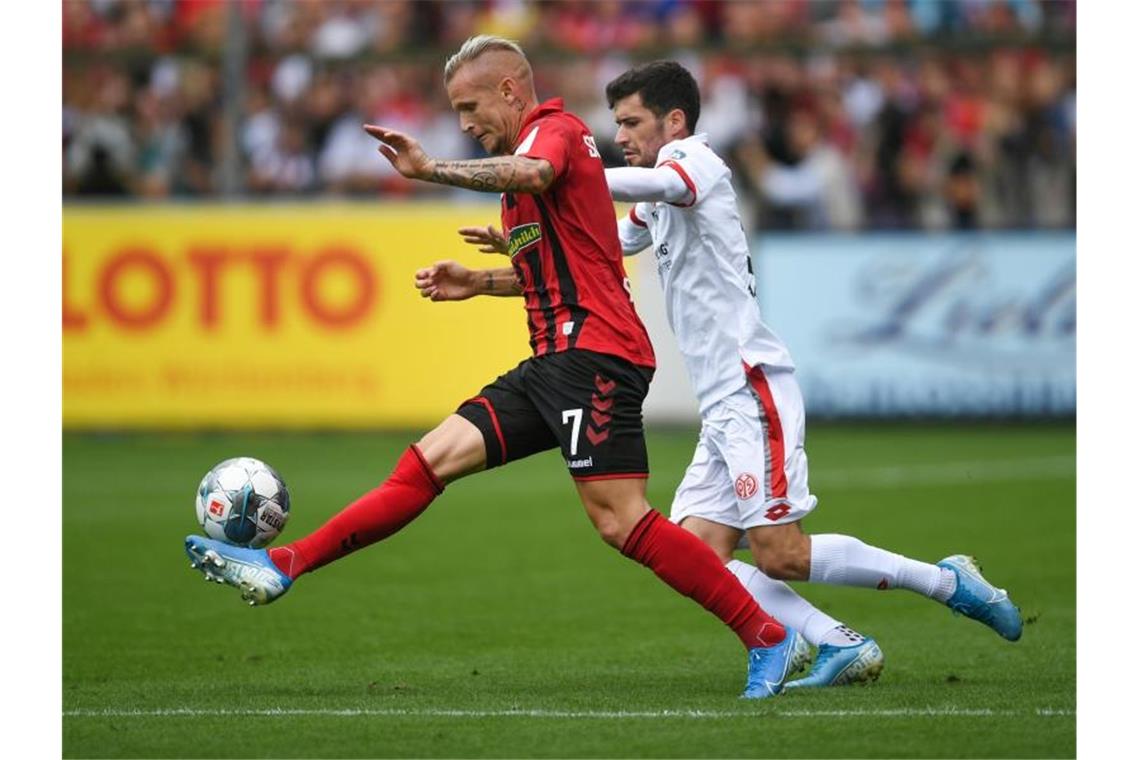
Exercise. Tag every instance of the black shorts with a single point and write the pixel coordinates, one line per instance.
(586, 403)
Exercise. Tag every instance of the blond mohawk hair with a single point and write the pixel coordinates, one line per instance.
(477, 46)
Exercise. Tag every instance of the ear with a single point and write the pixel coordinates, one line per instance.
(675, 124)
(508, 89)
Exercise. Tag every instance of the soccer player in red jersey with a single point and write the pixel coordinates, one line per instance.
(581, 391)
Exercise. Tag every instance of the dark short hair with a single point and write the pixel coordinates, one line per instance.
(663, 86)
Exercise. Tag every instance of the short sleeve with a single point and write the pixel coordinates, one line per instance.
(549, 139)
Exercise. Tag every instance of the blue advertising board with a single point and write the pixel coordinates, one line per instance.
(919, 324)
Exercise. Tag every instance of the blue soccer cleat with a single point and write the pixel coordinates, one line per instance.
(248, 569)
(769, 667)
(801, 655)
(839, 666)
(979, 599)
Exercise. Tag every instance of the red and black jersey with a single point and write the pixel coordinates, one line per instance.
(564, 246)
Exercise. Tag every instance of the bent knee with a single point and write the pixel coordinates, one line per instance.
(722, 539)
(613, 533)
(453, 449)
(782, 552)
(784, 566)
(614, 526)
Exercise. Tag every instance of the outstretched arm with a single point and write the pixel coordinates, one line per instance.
(634, 183)
(451, 281)
(498, 174)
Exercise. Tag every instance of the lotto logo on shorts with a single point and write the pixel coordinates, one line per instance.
(777, 512)
(746, 486)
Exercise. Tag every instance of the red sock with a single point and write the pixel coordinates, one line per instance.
(374, 516)
(684, 562)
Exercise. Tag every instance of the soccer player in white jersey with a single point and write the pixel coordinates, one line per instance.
(748, 481)
(749, 475)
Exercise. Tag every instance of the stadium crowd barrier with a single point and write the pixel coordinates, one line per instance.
(304, 316)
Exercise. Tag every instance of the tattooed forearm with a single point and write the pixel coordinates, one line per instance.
(492, 175)
(495, 175)
(501, 282)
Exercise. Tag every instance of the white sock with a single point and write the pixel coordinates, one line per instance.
(781, 602)
(842, 636)
(847, 561)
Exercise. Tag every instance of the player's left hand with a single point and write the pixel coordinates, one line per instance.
(446, 281)
(488, 238)
(403, 151)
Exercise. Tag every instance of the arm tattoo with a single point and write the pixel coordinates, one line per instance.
(501, 282)
(495, 175)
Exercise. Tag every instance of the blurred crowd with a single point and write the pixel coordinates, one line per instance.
(844, 114)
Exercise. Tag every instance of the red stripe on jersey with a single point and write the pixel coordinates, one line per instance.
(540, 308)
(530, 303)
(685, 178)
(561, 319)
(633, 218)
(777, 479)
(569, 316)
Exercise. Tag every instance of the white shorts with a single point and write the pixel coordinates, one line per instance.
(750, 468)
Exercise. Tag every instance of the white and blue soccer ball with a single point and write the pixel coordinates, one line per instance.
(243, 501)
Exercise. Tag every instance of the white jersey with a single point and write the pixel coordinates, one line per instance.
(705, 269)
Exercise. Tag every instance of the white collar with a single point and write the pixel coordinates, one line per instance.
(662, 154)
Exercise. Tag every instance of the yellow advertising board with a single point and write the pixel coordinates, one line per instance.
(282, 316)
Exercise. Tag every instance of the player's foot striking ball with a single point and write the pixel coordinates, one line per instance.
(248, 569)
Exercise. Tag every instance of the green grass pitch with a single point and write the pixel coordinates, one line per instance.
(498, 624)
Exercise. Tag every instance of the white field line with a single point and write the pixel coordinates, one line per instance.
(922, 712)
(947, 473)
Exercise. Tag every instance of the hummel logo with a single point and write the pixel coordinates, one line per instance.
(350, 543)
(599, 432)
(596, 437)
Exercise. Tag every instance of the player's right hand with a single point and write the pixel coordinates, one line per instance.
(446, 281)
(488, 238)
(403, 151)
